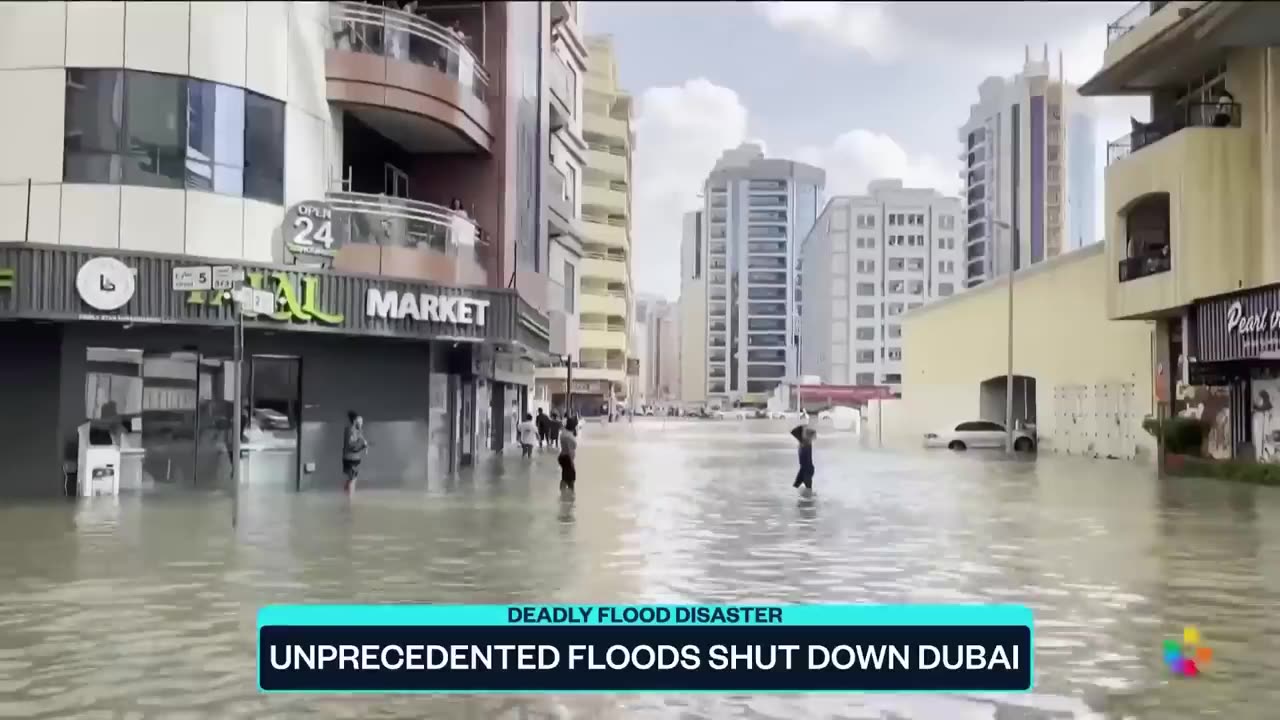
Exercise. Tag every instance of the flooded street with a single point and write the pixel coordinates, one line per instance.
(146, 608)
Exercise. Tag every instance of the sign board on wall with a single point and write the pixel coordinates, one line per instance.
(105, 283)
(1241, 326)
(310, 236)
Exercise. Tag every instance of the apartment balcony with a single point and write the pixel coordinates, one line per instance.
(598, 267)
(597, 364)
(413, 80)
(566, 27)
(410, 239)
(601, 302)
(596, 336)
(605, 160)
(562, 213)
(604, 199)
(610, 233)
(1163, 44)
(1183, 213)
(614, 130)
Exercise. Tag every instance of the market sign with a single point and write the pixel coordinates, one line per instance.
(297, 297)
(425, 307)
(1240, 326)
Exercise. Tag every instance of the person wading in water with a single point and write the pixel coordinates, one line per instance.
(805, 435)
(568, 456)
(354, 447)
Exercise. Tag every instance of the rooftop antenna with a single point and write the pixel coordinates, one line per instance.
(1046, 52)
(1027, 51)
(1062, 72)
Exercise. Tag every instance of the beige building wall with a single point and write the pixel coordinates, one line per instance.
(1093, 375)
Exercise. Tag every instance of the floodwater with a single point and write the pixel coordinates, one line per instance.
(145, 608)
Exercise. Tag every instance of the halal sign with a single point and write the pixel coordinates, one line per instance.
(309, 232)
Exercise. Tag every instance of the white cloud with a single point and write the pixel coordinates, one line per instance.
(680, 133)
(861, 25)
(860, 156)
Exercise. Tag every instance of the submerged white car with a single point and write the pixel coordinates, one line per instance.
(978, 434)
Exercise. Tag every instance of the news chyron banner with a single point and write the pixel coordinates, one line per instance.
(644, 648)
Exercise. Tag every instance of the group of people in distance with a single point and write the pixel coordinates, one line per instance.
(547, 431)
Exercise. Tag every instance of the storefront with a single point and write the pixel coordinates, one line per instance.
(103, 338)
(1235, 356)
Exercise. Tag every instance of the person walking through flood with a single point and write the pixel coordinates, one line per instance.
(541, 422)
(527, 433)
(553, 429)
(805, 436)
(354, 446)
(568, 456)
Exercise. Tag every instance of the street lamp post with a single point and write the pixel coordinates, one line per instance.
(1008, 380)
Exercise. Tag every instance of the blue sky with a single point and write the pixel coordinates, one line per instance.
(862, 89)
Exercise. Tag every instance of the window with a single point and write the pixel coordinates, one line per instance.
(947, 222)
(865, 333)
(892, 378)
(946, 289)
(895, 331)
(946, 266)
(897, 286)
(140, 128)
(895, 309)
(895, 354)
(866, 221)
(865, 357)
(896, 263)
(570, 285)
(866, 266)
(946, 243)
(915, 287)
(915, 264)
(866, 311)
(866, 289)
(865, 379)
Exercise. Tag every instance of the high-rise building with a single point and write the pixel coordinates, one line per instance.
(365, 179)
(605, 271)
(867, 260)
(693, 311)
(657, 323)
(565, 67)
(756, 211)
(1029, 168)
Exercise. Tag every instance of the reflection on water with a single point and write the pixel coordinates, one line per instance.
(142, 609)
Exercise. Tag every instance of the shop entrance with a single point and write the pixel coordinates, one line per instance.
(172, 412)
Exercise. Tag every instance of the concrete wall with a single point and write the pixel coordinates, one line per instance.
(271, 48)
(1093, 375)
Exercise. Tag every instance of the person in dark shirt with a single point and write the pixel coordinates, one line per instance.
(805, 435)
(541, 422)
(553, 430)
(568, 456)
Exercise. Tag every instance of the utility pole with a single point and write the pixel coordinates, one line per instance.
(237, 428)
(1008, 382)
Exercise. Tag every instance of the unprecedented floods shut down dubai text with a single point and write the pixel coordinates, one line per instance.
(581, 648)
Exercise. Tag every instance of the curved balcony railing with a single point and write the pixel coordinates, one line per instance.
(398, 35)
(387, 221)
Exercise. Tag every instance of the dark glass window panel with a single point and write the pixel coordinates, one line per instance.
(264, 149)
(155, 129)
(92, 167)
(94, 110)
(201, 113)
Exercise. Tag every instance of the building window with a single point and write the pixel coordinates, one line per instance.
(139, 128)
(895, 309)
(866, 311)
(866, 289)
(915, 287)
(865, 357)
(893, 379)
(896, 287)
(570, 287)
(895, 331)
(895, 354)
(946, 266)
(865, 333)
(946, 289)
(896, 263)
(915, 264)
(866, 221)
(866, 266)
(947, 222)
(865, 379)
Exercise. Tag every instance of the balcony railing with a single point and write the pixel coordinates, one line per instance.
(397, 35)
(560, 191)
(1131, 19)
(1206, 115)
(1140, 267)
(364, 219)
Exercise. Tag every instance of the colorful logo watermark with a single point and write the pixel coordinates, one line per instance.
(1190, 656)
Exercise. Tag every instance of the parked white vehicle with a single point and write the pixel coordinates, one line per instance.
(978, 434)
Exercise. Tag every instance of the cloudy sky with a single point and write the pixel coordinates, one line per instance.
(862, 89)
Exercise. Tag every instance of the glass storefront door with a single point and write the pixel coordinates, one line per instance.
(169, 400)
(272, 418)
(213, 423)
